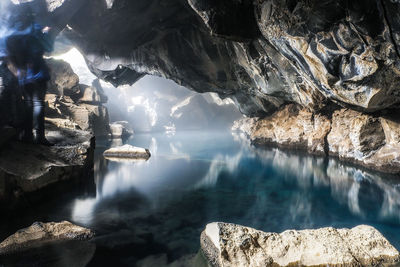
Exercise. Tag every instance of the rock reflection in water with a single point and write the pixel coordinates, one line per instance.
(158, 208)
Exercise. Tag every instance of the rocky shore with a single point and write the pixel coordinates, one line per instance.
(369, 140)
(74, 116)
(226, 245)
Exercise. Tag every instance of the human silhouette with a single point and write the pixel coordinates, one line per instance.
(25, 48)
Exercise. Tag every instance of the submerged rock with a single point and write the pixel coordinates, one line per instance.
(226, 244)
(127, 152)
(42, 233)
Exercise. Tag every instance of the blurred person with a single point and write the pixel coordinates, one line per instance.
(25, 47)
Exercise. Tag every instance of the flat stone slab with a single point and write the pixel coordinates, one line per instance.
(225, 244)
(40, 233)
(127, 152)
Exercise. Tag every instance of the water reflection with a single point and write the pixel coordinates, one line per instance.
(159, 207)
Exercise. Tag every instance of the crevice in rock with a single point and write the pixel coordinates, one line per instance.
(385, 15)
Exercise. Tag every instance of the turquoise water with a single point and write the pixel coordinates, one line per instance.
(151, 213)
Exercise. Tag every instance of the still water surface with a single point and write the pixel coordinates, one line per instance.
(151, 213)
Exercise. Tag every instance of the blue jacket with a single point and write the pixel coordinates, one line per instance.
(27, 47)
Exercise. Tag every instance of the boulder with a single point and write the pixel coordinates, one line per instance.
(42, 233)
(226, 245)
(120, 129)
(68, 100)
(48, 244)
(127, 152)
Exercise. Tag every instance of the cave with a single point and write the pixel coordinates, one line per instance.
(202, 133)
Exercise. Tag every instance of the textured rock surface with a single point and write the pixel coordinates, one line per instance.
(127, 152)
(44, 232)
(263, 54)
(372, 141)
(77, 106)
(69, 122)
(233, 245)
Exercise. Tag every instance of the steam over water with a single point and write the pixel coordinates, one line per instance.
(152, 213)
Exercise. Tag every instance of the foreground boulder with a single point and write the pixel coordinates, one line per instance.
(127, 152)
(226, 244)
(48, 244)
(44, 232)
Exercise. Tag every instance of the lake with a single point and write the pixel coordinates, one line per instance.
(151, 213)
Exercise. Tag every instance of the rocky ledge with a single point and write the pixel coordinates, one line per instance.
(370, 140)
(70, 158)
(226, 244)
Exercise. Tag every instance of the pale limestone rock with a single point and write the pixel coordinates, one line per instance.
(368, 140)
(244, 125)
(226, 245)
(355, 135)
(127, 152)
(293, 126)
(42, 233)
(68, 100)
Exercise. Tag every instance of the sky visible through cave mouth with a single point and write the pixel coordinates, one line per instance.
(155, 104)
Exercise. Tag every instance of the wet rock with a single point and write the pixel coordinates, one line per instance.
(42, 233)
(127, 152)
(226, 244)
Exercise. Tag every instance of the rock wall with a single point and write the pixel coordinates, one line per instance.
(74, 105)
(321, 55)
(369, 140)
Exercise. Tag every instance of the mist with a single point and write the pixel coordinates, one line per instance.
(155, 104)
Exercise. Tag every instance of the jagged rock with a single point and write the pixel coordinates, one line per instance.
(368, 140)
(226, 244)
(64, 82)
(372, 141)
(68, 100)
(127, 152)
(120, 129)
(293, 126)
(42, 233)
(263, 54)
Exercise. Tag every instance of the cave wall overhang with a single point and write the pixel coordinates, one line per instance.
(263, 53)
